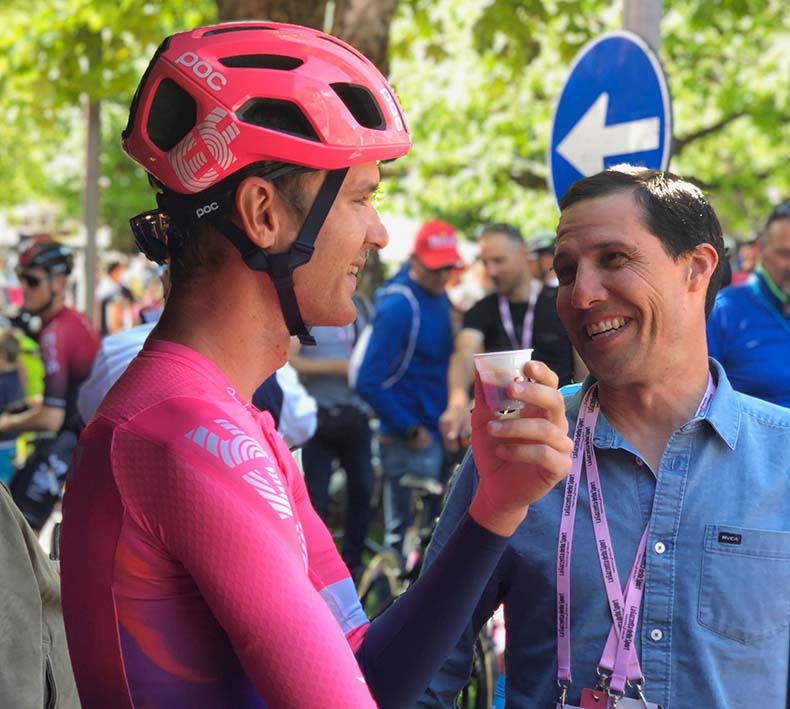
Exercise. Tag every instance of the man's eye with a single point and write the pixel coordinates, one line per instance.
(615, 258)
(565, 275)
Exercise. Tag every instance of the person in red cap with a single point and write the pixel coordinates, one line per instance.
(403, 374)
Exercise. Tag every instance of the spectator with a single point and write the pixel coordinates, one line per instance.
(11, 398)
(403, 375)
(116, 301)
(68, 346)
(343, 435)
(749, 328)
(520, 314)
(691, 475)
(745, 261)
(541, 252)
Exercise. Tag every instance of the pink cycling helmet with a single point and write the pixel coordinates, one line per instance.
(218, 99)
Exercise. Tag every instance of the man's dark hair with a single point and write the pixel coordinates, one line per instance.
(673, 210)
(780, 211)
(513, 233)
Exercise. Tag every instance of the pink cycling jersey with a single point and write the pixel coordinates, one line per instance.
(195, 571)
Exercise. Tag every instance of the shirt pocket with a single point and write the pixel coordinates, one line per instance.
(744, 585)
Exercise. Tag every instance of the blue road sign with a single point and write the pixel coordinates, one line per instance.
(615, 107)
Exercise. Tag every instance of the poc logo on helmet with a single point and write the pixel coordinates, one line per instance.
(203, 70)
(206, 209)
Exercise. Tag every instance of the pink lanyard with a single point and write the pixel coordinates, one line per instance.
(529, 317)
(619, 660)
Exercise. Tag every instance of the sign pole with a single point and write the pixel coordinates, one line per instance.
(643, 17)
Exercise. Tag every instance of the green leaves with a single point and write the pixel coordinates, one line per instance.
(479, 82)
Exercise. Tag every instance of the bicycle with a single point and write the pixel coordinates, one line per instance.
(388, 574)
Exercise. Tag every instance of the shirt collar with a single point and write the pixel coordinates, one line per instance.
(723, 413)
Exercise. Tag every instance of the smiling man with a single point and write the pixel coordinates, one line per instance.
(195, 572)
(674, 517)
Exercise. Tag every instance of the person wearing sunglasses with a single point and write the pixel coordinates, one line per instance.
(749, 328)
(195, 572)
(68, 346)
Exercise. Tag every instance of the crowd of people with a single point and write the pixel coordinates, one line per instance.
(197, 565)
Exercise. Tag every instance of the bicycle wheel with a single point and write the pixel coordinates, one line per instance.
(380, 584)
(479, 690)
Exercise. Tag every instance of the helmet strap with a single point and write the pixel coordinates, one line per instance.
(281, 266)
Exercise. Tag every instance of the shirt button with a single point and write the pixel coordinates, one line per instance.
(656, 634)
(639, 461)
(660, 548)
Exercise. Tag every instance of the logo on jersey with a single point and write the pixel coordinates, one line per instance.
(242, 448)
(204, 155)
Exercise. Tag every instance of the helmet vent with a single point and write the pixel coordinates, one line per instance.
(261, 61)
(238, 28)
(173, 114)
(360, 102)
(278, 115)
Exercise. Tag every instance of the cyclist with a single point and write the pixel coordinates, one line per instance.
(68, 346)
(195, 571)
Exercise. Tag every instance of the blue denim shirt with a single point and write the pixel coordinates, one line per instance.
(715, 626)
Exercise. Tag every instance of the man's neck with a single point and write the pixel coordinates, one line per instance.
(520, 293)
(647, 414)
(51, 311)
(245, 336)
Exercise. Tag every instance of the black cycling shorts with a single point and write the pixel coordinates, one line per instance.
(38, 484)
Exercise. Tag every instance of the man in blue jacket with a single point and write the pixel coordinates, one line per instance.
(403, 375)
(749, 328)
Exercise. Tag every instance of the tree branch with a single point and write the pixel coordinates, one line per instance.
(678, 144)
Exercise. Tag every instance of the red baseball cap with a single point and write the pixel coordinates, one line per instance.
(436, 245)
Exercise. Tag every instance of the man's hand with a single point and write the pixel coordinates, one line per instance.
(455, 423)
(421, 440)
(521, 458)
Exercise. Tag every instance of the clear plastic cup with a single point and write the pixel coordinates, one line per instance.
(497, 370)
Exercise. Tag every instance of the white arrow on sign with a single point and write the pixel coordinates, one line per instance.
(591, 140)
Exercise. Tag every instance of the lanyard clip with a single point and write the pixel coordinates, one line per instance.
(563, 685)
(602, 685)
(638, 686)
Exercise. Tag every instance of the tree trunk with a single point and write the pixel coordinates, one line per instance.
(365, 24)
(298, 12)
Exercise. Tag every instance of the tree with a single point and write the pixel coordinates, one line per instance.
(53, 55)
(478, 80)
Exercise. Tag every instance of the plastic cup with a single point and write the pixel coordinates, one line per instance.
(497, 370)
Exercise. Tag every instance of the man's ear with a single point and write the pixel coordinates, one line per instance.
(703, 260)
(259, 212)
(59, 282)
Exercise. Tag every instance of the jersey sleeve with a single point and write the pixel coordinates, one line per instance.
(454, 672)
(235, 531)
(328, 573)
(54, 354)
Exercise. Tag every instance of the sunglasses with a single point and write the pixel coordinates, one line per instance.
(150, 231)
(30, 281)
